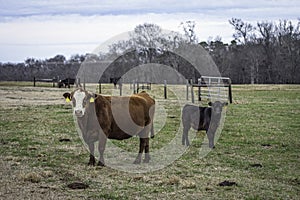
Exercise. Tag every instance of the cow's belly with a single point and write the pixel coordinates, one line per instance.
(197, 126)
(118, 133)
(118, 136)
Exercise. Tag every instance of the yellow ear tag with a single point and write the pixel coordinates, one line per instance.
(68, 99)
(92, 100)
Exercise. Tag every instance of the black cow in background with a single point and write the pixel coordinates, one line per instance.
(66, 82)
(115, 80)
(202, 118)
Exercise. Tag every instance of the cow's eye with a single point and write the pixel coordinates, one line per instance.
(84, 103)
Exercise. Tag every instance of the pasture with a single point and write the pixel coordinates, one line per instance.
(258, 150)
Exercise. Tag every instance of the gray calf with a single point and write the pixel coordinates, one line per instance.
(201, 118)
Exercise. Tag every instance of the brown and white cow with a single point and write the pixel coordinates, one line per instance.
(202, 118)
(100, 117)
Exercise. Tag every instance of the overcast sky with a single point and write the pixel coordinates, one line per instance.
(45, 28)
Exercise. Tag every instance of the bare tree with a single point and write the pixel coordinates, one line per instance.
(267, 32)
(242, 30)
(244, 33)
(288, 36)
(189, 31)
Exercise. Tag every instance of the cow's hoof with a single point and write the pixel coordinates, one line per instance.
(100, 164)
(147, 158)
(137, 161)
(91, 163)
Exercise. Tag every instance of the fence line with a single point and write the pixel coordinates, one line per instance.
(215, 88)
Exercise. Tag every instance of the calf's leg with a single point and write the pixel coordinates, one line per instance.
(211, 136)
(185, 136)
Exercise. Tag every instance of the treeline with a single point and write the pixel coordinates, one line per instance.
(265, 52)
(56, 67)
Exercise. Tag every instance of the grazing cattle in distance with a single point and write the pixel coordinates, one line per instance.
(66, 82)
(114, 80)
(201, 118)
(100, 117)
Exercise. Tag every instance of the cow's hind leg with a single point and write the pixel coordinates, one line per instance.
(92, 160)
(147, 155)
(141, 150)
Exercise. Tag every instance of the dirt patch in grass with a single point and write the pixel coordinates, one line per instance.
(12, 97)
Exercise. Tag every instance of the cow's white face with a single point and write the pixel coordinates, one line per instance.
(79, 101)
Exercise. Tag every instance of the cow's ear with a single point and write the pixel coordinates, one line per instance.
(67, 97)
(92, 100)
(92, 97)
(210, 103)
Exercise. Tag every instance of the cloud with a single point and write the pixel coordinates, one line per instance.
(45, 28)
(15, 8)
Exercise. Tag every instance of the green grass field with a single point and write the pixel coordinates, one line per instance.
(258, 150)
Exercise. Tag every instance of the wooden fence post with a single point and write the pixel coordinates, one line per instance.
(229, 91)
(187, 89)
(34, 81)
(165, 89)
(120, 86)
(134, 85)
(199, 89)
(99, 87)
(192, 91)
(137, 87)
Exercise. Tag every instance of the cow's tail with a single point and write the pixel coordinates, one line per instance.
(152, 131)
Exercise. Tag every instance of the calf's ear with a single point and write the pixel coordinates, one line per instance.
(210, 103)
(67, 97)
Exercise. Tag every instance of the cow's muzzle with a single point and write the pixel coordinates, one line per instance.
(78, 113)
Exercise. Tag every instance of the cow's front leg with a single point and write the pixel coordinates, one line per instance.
(101, 148)
(92, 160)
(141, 150)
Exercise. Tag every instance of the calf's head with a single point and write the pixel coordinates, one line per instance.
(217, 106)
(81, 100)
